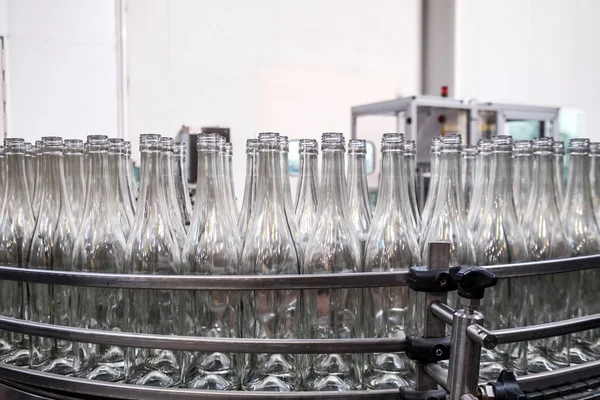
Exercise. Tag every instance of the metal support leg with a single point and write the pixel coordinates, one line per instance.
(439, 258)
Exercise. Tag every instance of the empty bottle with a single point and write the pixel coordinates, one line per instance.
(31, 167)
(359, 211)
(212, 247)
(3, 175)
(131, 185)
(522, 175)
(270, 314)
(151, 249)
(124, 164)
(51, 249)
(391, 246)
(74, 171)
(36, 168)
(481, 183)
(118, 184)
(433, 186)
(229, 170)
(595, 177)
(17, 224)
(99, 247)
(469, 155)
(307, 195)
(248, 203)
(333, 248)
(410, 168)
(558, 173)
(181, 186)
(168, 186)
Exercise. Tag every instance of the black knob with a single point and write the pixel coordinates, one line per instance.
(507, 387)
(472, 281)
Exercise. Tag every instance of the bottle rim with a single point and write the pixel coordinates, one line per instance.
(357, 146)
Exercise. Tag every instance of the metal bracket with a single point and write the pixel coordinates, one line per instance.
(429, 350)
(422, 279)
(411, 394)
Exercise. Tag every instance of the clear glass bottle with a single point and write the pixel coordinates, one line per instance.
(391, 246)
(410, 168)
(124, 163)
(333, 248)
(232, 213)
(481, 183)
(595, 177)
(118, 184)
(522, 175)
(168, 186)
(51, 248)
(131, 185)
(74, 171)
(448, 221)
(359, 210)
(546, 240)
(577, 216)
(499, 240)
(270, 249)
(287, 193)
(307, 194)
(468, 167)
(151, 249)
(433, 186)
(181, 185)
(212, 248)
(249, 187)
(229, 148)
(31, 166)
(558, 172)
(35, 164)
(16, 228)
(99, 247)
(3, 175)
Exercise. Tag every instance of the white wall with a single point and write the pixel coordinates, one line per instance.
(60, 60)
(290, 66)
(542, 52)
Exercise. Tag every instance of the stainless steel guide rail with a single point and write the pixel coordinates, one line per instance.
(429, 376)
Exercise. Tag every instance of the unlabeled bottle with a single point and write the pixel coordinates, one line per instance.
(359, 210)
(434, 173)
(410, 168)
(151, 249)
(74, 171)
(131, 185)
(181, 185)
(558, 172)
(469, 156)
(333, 248)
(118, 184)
(595, 177)
(3, 175)
(391, 246)
(448, 221)
(546, 240)
(36, 168)
(481, 184)
(17, 224)
(168, 185)
(307, 195)
(499, 240)
(577, 216)
(287, 193)
(51, 249)
(124, 164)
(232, 213)
(270, 314)
(248, 203)
(522, 175)
(212, 247)
(31, 167)
(99, 247)
(229, 148)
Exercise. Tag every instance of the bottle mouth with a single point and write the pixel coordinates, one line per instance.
(333, 141)
(595, 149)
(522, 148)
(251, 146)
(284, 143)
(579, 146)
(357, 146)
(52, 144)
(179, 148)
(73, 144)
(149, 142)
(308, 146)
(14, 146)
(115, 145)
(451, 143)
(208, 142)
(469, 151)
(502, 144)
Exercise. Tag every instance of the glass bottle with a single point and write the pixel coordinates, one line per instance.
(433, 185)
(212, 248)
(124, 163)
(229, 148)
(359, 210)
(558, 172)
(481, 183)
(499, 240)
(287, 193)
(131, 185)
(31, 166)
(36, 167)
(151, 249)
(270, 249)
(546, 240)
(410, 168)
(99, 247)
(181, 185)
(249, 187)
(51, 248)
(522, 175)
(3, 175)
(595, 177)
(168, 186)
(16, 228)
(391, 246)
(448, 221)
(118, 184)
(232, 213)
(577, 216)
(468, 166)
(74, 171)
(333, 248)
(307, 194)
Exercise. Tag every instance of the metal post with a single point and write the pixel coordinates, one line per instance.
(465, 354)
(439, 258)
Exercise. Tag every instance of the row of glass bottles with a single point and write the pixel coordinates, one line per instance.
(329, 229)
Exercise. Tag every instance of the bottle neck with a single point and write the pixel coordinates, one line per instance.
(502, 182)
(54, 182)
(392, 180)
(17, 186)
(150, 191)
(210, 180)
(287, 191)
(357, 178)
(543, 188)
(98, 190)
(307, 187)
(449, 180)
(578, 184)
(269, 190)
(333, 184)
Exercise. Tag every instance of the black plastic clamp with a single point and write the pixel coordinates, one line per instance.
(472, 281)
(428, 350)
(422, 279)
(407, 393)
(507, 387)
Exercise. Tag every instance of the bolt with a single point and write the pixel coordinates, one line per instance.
(443, 283)
(439, 352)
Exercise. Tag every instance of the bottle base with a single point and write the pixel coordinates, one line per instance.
(105, 373)
(379, 380)
(59, 366)
(214, 381)
(331, 383)
(19, 357)
(270, 383)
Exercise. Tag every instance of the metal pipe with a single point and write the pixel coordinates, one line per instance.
(443, 312)
(535, 268)
(197, 282)
(438, 374)
(193, 343)
(484, 337)
(545, 380)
